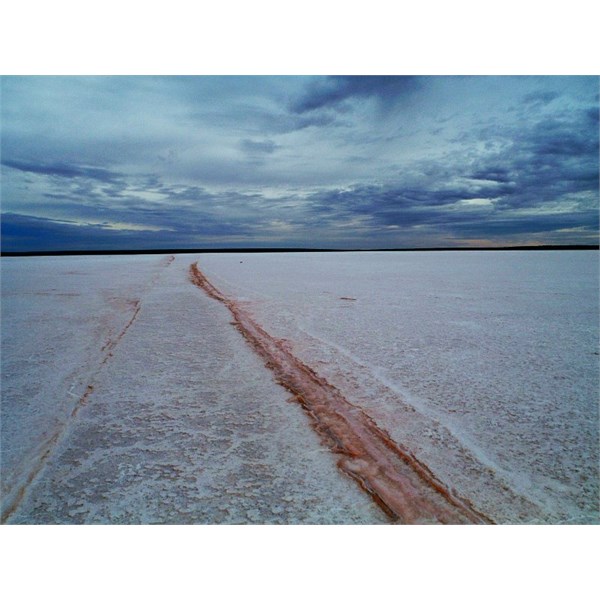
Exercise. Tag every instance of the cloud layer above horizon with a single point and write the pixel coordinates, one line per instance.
(330, 162)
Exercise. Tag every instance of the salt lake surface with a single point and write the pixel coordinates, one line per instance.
(128, 397)
(484, 364)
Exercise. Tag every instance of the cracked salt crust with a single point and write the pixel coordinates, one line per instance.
(484, 365)
(185, 425)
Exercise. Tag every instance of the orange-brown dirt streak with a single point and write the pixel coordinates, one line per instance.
(110, 344)
(403, 486)
(43, 456)
(49, 445)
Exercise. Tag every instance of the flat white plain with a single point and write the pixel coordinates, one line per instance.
(483, 364)
(137, 402)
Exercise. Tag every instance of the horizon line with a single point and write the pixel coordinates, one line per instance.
(281, 250)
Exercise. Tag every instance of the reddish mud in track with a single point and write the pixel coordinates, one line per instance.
(402, 486)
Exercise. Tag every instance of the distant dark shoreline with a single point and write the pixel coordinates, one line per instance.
(264, 250)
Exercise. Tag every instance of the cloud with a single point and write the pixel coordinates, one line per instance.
(331, 92)
(491, 173)
(540, 97)
(543, 178)
(252, 147)
(560, 138)
(551, 159)
(22, 233)
(257, 151)
(251, 161)
(69, 171)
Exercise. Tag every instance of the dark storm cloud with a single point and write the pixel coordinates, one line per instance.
(166, 162)
(495, 174)
(540, 98)
(386, 205)
(593, 114)
(552, 158)
(62, 170)
(560, 138)
(333, 91)
(22, 233)
(529, 224)
(444, 210)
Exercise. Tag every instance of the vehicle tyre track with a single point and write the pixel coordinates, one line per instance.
(401, 485)
(16, 496)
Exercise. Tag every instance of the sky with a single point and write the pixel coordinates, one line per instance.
(124, 162)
